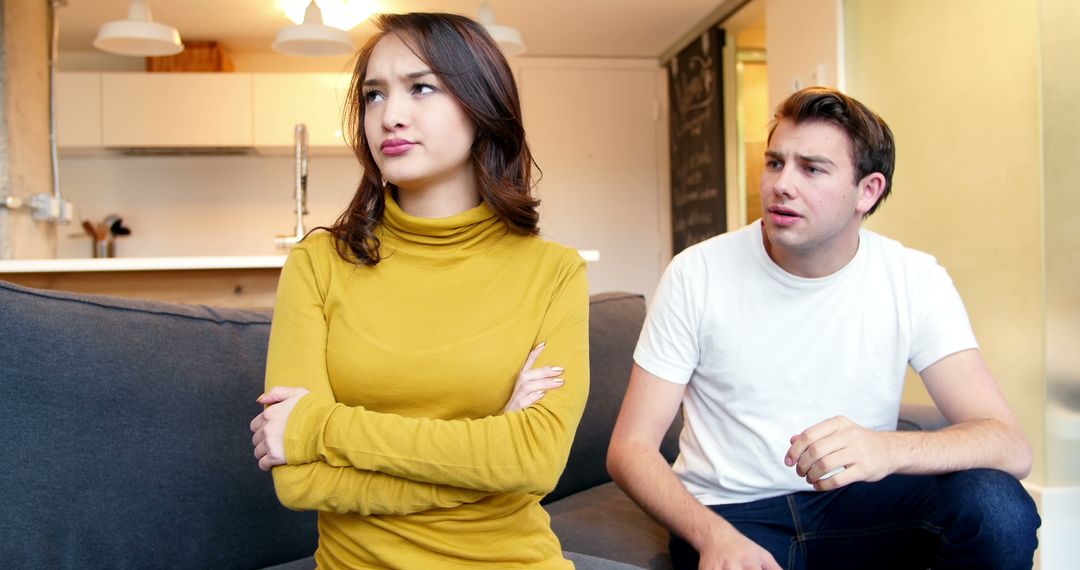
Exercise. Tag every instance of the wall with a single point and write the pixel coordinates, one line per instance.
(804, 46)
(964, 108)
(24, 125)
(1061, 179)
(199, 205)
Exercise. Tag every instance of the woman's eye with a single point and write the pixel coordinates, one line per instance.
(423, 89)
(372, 97)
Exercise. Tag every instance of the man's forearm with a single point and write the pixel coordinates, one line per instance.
(971, 444)
(647, 478)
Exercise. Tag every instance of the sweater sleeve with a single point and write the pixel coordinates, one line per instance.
(297, 357)
(318, 486)
(523, 451)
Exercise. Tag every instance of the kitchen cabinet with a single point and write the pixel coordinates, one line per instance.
(78, 111)
(281, 100)
(180, 110)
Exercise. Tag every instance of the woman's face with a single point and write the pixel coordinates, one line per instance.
(418, 134)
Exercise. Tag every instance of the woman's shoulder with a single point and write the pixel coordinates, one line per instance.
(318, 252)
(548, 251)
(320, 246)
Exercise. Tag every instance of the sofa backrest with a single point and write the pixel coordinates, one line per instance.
(126, 430)
(615, 321)
(126, 438)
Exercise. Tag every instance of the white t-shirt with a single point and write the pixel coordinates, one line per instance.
(768, 354)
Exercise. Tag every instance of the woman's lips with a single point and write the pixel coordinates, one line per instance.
(396, 147)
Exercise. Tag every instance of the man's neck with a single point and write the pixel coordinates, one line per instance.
(818, 260)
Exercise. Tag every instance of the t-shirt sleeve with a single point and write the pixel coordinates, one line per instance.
(668, 346)
(939, 322)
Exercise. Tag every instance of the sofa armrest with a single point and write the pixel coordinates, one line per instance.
(920, 417)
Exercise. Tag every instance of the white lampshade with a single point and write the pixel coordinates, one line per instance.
(138, 35)
(313, 38)
(508, 39)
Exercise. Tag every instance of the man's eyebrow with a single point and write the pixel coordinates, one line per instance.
(407, 77)
(815, 159)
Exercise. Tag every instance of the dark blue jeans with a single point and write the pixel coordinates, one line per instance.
(980, 518)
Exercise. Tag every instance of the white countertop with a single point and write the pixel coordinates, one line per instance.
(140, 264)
(165, 263)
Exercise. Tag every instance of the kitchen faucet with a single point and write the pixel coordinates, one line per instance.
(300, 145)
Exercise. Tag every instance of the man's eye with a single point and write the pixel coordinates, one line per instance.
(773, 164)
(814, 170)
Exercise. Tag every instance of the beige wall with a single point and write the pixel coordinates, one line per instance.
(1061, 178)
(966, 114)
(24, 128)
(803, 45)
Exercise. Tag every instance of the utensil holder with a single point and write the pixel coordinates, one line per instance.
(104, 248)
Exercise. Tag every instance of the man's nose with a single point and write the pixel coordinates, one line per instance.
(783, 181)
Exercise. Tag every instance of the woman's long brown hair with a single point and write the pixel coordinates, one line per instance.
(473, 70)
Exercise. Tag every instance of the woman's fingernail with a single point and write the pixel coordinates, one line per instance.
(558, 368)
(260, 398)
(541, 345)
(558, 380)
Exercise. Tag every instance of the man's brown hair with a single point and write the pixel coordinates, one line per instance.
(872, 142)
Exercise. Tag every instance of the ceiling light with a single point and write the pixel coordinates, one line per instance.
(509, 39)
(341, 14)
(139, 34)
(312, 37)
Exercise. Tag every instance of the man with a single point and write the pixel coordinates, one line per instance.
(786, 342)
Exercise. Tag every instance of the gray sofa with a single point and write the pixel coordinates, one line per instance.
(127, 445)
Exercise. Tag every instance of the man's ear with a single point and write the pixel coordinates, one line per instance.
(870, 189)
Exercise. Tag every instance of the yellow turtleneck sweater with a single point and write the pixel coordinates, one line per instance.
(402, 445)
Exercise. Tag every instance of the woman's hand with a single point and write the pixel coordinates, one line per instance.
(269, 426)
(532, 383)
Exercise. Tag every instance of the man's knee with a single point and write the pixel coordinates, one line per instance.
(993, 510)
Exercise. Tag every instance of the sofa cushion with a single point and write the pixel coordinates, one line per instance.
(615, 321)
(126, 430)
(604, 522)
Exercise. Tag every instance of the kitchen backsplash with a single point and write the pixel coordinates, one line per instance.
(199, 205)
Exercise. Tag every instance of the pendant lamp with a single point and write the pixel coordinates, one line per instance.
(508, 38)
(139, 34)
(312, 38)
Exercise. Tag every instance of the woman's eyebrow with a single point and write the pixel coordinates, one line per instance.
(375, 81)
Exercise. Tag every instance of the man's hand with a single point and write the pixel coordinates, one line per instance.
(835, 443)
(269, 426)
(732, 550)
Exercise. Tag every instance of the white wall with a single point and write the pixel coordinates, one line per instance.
(199, 205)
(596, 131)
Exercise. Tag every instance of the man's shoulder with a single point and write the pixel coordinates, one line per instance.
(722, 248)
(893, 252)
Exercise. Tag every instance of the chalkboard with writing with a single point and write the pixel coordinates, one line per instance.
(698, 200)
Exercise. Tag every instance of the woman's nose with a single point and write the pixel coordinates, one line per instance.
(395, 112)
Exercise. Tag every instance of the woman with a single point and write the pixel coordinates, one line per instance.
(398, 405)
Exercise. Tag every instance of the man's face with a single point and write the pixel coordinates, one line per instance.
(811, 204)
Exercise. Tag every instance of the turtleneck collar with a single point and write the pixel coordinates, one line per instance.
(474, 228)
